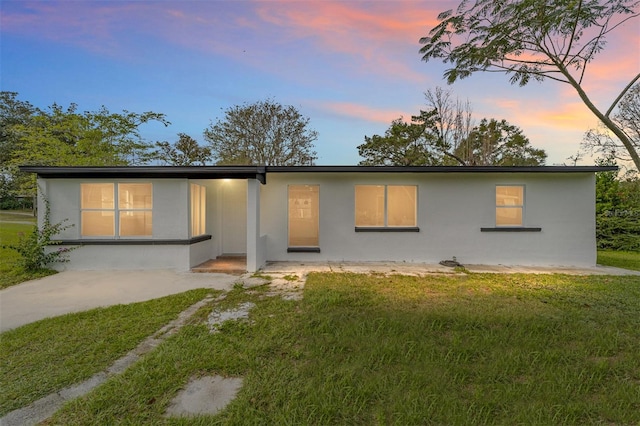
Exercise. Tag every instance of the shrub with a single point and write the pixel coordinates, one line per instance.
(618, 232)
(32, 246)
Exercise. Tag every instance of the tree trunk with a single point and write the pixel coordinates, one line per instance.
(605, 119)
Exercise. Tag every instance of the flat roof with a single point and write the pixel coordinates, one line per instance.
(260, 172)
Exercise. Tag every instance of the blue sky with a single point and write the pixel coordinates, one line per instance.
(350, 66)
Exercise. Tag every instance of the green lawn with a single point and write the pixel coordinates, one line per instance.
(620, 259)
(477, 349)
(12, 225)
(48, 355)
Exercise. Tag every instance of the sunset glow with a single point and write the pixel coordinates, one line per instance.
(350, 66)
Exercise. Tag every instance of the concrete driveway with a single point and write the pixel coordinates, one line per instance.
(75, 291)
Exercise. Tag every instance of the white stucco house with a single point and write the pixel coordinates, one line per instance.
(178, 217)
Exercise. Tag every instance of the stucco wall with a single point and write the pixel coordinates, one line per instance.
(170, 205)
(451, 210)
(452, 207)
(170, 222)
(140, 257)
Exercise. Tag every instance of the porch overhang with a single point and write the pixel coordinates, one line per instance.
(149, 172)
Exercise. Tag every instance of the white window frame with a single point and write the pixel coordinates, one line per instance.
(116, 212)
(521, 207)
(385, 225)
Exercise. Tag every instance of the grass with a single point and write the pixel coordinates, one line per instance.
(48, 355)
(12, 225)
(620, 259)
(358, 349)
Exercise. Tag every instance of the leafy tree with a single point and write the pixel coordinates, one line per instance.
(627, 118)
(444, 135)
(184, 152)
(431, 138)
(262, 133)
(66, 137)
(532, 39)
(13, 113)
(617, 209)
(403, 144)
(499, 143)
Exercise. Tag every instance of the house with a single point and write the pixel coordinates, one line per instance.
(178, 217)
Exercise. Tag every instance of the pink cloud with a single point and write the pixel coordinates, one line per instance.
(376, 33)
(362, 112)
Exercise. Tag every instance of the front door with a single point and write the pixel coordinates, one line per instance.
(234, 217)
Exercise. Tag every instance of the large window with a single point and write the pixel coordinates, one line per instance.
(509, 205)
(303, 215)
(386, 206)
(116, 210)
(198, 210)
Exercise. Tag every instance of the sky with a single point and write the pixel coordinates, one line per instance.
(351, 67)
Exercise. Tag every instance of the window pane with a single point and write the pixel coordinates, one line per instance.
(96, 196)
(134, 196)
(198, 209)
(509, 195)
(401, 205)
(135, 223)
(203, 210)
(97, 223)
(303, 215)
(508, 216)
(369, 205)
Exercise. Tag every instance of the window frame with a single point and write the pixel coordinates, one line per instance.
(116, 211)
(521, 206)
(386, 227)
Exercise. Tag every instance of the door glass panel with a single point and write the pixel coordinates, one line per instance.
(303, 215)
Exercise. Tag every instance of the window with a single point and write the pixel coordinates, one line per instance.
(107, 207)
(303, 215)
(198, 210)
(386, 206)
(509, 205)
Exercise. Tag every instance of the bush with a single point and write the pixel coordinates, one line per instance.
(32, 247)
(618, 232)
(16, 203)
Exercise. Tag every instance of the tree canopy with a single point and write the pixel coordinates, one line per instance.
(445, 135)
(532, 40)
(403, 144)
(58, 136)
(491, 143)
(184, 152)
(498, 143)
(262, 133)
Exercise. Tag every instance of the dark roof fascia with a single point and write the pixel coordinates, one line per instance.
(259, 172)
(150, 172)
(440, 169)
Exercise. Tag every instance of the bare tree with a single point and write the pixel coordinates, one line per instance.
(453, 121)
